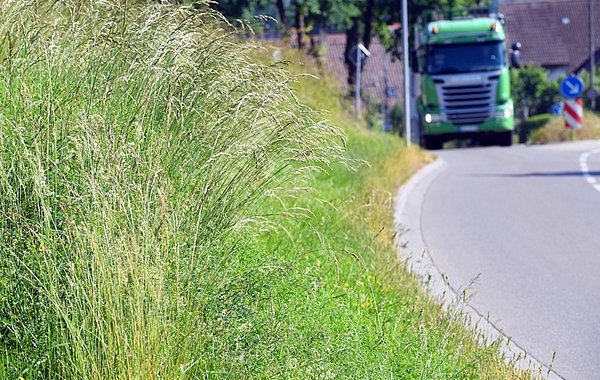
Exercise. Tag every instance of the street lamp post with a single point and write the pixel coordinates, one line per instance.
(357, 84)
(405, 56)
(592, 46)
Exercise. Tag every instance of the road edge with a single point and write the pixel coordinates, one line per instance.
(412, 251)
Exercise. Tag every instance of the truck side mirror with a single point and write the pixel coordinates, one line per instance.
(515, 55)
(501, 18)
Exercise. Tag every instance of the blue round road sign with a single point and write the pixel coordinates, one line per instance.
(591, 93)
(571, 87)
(557, 109)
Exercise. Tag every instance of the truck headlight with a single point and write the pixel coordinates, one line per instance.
(430, 118)
(505, 113)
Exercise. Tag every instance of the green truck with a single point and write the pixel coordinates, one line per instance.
(464, 81)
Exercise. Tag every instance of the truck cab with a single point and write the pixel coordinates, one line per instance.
(464, 82)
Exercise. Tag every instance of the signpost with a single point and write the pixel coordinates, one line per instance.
(557, 108)
(392, 92)
(572, 88)
(591, 93)
(357, 56)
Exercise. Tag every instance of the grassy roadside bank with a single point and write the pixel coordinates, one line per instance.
(554, 130)
(386, 324)
(169, 210)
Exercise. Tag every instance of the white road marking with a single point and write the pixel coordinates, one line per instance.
(585, 169)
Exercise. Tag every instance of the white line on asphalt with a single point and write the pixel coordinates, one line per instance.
(585, 169)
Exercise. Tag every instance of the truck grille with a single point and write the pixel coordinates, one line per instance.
(468, 103)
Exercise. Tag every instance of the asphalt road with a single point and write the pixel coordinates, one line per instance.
(525, 222)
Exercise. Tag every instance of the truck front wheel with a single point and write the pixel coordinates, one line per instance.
(433, 142)
(505, 138)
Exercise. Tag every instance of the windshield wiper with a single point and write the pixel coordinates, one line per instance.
(447, 70)
(485, 68)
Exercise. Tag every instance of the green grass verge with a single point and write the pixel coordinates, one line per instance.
(357, 308)
(171, 210)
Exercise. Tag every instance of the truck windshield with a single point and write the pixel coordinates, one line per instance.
(460, 58)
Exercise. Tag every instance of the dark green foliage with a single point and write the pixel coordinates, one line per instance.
(532, 124)
(397, 116)
(533, 93)
(548, 94)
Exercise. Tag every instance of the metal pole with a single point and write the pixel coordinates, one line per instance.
(385, 87)
(405, 57)
(592, 46)
(357, 84)
(494, 9)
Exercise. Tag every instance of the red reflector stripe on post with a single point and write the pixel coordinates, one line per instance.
(573, 113)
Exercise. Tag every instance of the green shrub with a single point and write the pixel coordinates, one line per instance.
(532, 124)
(397, 116)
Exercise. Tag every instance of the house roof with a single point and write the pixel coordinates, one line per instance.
(373, 80)
(551, 32)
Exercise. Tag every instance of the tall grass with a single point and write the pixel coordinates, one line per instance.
(137, 144)
(156, 219)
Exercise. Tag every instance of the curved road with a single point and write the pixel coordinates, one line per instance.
(524, 221)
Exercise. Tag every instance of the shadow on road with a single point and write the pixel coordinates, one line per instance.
(542, 174)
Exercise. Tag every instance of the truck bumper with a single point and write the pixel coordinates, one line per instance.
(498, 123)
(464, 131)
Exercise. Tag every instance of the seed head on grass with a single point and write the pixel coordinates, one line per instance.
(137, 142)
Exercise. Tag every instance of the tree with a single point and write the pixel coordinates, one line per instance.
(533, 94)
(547, 94)
(242, 9)
(360, 19)
(368, 22)
(525, 84)
(282, 16)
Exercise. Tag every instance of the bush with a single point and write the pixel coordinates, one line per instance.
(532, 92)
(532, 124)
(397, 116)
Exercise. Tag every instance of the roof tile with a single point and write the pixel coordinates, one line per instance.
(551, 32)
